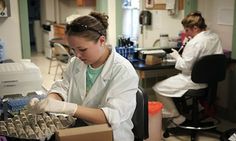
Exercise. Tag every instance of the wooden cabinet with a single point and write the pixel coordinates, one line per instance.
(59, 30)
(86, 2)
(162, 6)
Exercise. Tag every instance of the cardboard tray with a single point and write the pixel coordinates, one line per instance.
(101, 132)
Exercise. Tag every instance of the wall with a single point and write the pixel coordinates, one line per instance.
(10, 32)
(69, 7)
(111, 31)
(161, 23)
(226, 89)
(211, 14)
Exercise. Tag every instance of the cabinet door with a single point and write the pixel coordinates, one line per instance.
(59, 31)
(86, 2)
(79, 2)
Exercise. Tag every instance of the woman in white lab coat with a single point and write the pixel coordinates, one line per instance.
(99, 85)
(202, 42)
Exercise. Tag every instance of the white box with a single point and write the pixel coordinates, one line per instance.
(19, 78)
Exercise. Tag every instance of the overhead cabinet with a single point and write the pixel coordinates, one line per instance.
(86, 2)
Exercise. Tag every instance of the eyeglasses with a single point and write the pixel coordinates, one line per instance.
(81, 28)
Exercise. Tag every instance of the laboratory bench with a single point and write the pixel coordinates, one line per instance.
(149, 75)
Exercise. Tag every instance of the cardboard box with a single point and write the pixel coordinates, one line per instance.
(100, 132)
(152, 60)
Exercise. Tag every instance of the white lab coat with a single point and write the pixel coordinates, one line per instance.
(204, 43)
(114, 91)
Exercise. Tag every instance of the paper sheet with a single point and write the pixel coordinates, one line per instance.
(170, 4)
(225, 16)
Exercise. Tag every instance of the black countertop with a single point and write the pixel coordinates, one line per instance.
(140, 65)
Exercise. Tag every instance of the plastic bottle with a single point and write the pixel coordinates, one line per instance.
(2, 51)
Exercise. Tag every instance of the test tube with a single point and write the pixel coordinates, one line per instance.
(3, 130)
(17, 122)
(28, 129)
(38, 132)
(12, 132)
(19, 126)
(22, 114)
(2, 123)
(9, 120)
(10, 125)
(59, 125)
(32, 135)
(16, 117)
(71, 120)
(47, 119)
(53, 128)
(23, 136)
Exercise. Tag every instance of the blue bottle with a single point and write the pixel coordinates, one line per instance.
(2, 51)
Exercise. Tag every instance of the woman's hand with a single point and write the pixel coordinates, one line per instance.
(175, 54)
(51, 105)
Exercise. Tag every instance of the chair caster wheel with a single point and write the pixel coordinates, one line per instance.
(192, 138)
(166, 134)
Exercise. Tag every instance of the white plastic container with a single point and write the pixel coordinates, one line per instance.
(19, 78)
(155, 121)
(164, 40)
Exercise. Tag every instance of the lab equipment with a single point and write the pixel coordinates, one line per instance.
(145, 18)
(19, 78)
(154, 51)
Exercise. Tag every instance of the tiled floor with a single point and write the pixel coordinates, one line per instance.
(43, 63)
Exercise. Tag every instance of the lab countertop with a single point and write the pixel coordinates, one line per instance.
(140, 65)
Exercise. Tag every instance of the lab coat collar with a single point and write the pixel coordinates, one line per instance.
(107, 72)
(200, 34)
(80, 76)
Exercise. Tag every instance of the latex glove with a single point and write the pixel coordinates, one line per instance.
(52, 105)
(175, 54)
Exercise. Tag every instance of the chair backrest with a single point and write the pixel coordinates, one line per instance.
(61, 53)
(140, 116)
(209, 69)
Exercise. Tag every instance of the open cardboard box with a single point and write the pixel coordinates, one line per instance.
(100, 132)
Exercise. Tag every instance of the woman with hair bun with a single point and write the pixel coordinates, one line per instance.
(201, 42)
(99, 85)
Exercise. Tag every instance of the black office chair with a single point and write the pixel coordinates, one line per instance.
(140, 117)
(209, 69)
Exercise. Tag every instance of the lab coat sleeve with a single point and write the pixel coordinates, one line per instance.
(121, 103)
(189, 56)
(62, 86)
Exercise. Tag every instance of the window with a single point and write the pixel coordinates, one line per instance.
(131, 19)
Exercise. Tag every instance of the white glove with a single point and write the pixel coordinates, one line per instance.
(175, 54)
(52, 105)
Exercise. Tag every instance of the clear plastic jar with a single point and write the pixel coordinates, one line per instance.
(164, 40)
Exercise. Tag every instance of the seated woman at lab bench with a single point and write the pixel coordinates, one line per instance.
(202, 42)
(99, 85)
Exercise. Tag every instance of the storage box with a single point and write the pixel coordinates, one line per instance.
(153, 60)
(100, 132)
(19, 78)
